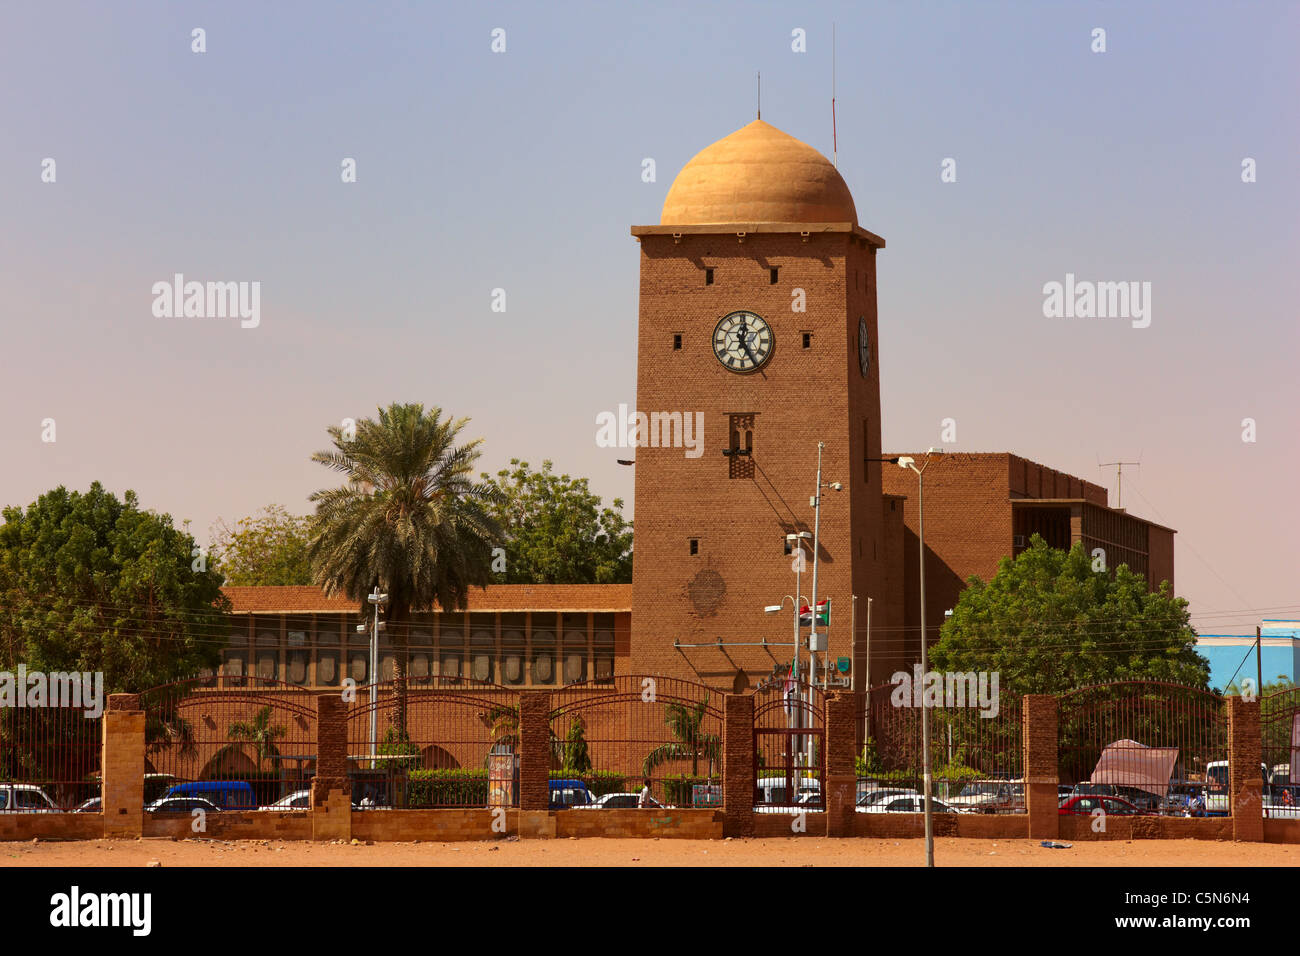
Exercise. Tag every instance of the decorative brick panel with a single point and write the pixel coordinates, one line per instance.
(534, 751)
(1245, 783)
(841, 785)
(1039, 720)
(738, 765)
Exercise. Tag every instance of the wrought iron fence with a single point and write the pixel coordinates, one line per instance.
(1279, 727)
(1144, 747)
(976, 750)
(434, 742)
(233, 748)
(49, 758)
(612, 738)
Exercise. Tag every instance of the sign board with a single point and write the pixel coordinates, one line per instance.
(706, 795)
(501, 780)
(842, 665)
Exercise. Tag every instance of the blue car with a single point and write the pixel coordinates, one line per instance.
(569, 793)
(224, 794)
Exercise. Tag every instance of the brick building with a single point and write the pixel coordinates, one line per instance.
(758, 311)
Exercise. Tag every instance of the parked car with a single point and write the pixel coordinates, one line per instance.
(298, 800)
(1089, 803)
(566, 794)
(989, 796)
(181, 805)
(622, 801)
(1216, 790)
(770, 792)
(93, 805)
(25, 798)
(1144, 800)
(872, 797)
(1182, 793)
(906, 804)
(224, 794)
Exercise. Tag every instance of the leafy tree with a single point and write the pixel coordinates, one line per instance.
(574, 754)
(557, 530)
(261, 733)
(91, 583)
(686, 724)
(409, 519)
(267, 548)
(1047, 623)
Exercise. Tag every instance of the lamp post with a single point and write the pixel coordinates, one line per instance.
(904, 461)
(376, 599)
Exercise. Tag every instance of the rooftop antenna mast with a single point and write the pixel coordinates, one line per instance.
(1119, 477)
(760, 94)
(835, 144)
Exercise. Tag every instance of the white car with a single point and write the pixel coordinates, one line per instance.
(619, 801)
(989, 796)
(906, 804)
(298, 800)
(871, 797)
(25, 798)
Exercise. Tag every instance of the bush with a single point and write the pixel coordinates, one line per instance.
(447, 788)
(677, 790)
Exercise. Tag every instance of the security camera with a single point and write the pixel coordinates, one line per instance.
(836, 486)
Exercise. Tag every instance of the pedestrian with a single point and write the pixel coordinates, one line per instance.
(644, 801)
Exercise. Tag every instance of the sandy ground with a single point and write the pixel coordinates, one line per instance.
(802, 851)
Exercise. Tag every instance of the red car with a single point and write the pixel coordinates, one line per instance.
(1109, 805)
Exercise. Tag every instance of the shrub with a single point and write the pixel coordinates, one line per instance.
(447, 788)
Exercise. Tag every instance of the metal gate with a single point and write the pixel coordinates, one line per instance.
(790, 748)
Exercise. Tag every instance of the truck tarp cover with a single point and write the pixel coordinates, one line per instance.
(1131, 764)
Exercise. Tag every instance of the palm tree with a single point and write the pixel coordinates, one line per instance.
(410, 519)
(691, 744)
(261, 733)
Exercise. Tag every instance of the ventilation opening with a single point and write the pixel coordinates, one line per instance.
(695, 545)
(677, 341)
(772, 273)
(708, 276)
(807, 340)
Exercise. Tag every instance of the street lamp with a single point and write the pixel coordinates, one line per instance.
(907, 462)
(377, 599)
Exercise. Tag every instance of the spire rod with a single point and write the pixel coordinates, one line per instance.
(760, 94)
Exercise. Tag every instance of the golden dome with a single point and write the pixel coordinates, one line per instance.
(758, 174)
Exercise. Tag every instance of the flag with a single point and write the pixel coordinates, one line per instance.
(823, 614)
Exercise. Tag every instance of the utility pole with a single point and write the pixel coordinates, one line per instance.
(1259, 663)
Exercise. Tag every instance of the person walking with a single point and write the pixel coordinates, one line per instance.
(644, 801)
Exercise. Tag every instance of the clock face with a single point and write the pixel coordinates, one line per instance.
(742, 341)
(864, 347)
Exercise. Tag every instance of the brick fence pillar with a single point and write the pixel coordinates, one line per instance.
(331, 788)
(738, 766)
(1245, 781)
(535, 819)
(1039, 723)
(841, 778)
(122, 767)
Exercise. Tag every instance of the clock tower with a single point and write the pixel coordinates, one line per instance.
(757, 319)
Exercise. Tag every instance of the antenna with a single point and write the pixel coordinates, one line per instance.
(760, 94)
(1119, 477)
(835, 145)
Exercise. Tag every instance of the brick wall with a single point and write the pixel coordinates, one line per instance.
(1040, 721)
(738, 765)
(1245, 783)
(122, 764)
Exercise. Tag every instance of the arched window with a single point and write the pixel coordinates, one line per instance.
(543, 656)
(482, 655)
(451, 649)
(327, 654)
(575, 656)
(267, 649)
(421, 650)
(512, 654)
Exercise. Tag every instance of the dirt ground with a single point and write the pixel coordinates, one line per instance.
(801, 851)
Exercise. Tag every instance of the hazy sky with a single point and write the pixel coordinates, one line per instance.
(522, 171)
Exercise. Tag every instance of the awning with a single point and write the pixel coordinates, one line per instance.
(1131, 764)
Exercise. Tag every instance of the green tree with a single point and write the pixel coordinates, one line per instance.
(268, 548)
(1047, 623)
(409, 519)
(557, 530)
(91, 583)
(686, 725)
(260, 732)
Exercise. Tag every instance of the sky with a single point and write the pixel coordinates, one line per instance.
(521, 170)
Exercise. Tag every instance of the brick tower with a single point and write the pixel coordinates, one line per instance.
(758, 310)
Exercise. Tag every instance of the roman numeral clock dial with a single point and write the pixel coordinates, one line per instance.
(742, 341)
